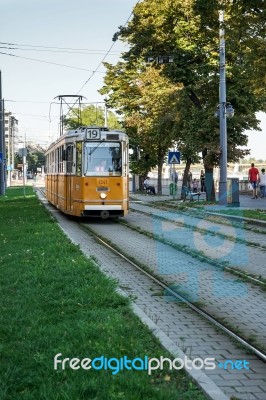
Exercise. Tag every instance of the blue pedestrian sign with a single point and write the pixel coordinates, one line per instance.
(174, 157)
(1, 157)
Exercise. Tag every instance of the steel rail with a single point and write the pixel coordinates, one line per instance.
(197, 309)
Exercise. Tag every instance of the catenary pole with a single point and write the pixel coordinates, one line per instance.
(222, 110)
(2, 142)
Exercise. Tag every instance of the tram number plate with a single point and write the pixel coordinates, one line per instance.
(102, 182)
(93, 134)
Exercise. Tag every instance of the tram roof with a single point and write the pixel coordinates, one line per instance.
(80, 132)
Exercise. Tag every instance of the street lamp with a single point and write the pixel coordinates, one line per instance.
(224, 110)
(228, 111)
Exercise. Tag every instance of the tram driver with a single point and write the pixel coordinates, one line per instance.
(101, 166)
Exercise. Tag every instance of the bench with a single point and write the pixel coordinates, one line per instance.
(190, 195)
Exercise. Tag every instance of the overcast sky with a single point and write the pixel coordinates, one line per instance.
(30, 86)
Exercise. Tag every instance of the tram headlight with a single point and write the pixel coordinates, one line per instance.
(103, 195)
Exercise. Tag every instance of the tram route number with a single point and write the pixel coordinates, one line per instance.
(93, 134)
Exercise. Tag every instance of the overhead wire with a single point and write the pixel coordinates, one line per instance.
(49, 62)
(109, 52)
(54, 47)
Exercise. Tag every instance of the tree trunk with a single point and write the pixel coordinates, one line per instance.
(209, 184)
(185, 177)
(160, 169)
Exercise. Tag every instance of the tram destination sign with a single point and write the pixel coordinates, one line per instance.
(93, 134)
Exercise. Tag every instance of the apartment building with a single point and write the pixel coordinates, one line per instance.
(11, 138)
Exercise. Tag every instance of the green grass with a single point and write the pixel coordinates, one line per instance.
(203, 206)
(253, 214)
(55, 300)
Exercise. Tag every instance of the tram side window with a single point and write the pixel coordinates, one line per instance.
(69, 158)
(79, 158)
(53, 161)
(47, 164)
(57, 160)
(60, 159)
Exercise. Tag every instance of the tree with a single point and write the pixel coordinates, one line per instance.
(147, 100)
(188, 30)
(91, 115)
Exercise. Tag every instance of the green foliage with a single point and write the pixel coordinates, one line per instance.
(35, 158)
(172, 103)
(91, 115)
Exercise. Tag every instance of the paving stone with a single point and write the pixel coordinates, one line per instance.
(173, 317)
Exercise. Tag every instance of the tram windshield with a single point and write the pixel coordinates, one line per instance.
(103, 158)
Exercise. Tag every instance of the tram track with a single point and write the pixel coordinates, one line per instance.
(209, 228)
(199, 258)
(223, 265)
(215, 218)
(181, 324)
(180, 297)
(194, 278)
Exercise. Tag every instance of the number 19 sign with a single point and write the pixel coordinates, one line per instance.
(93, 134)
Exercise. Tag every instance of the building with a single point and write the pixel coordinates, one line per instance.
(11, 138)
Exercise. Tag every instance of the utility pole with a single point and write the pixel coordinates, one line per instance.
(8, 153)
(105, 116)
(222, 115)
(2, 142)
(13, 122)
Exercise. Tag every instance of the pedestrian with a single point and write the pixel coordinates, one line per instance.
(253, 177)
(195, 185)
(262, 183)
(202, 181)
(174, 176)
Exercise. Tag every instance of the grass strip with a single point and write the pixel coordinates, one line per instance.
(55, 300)
(259, 214)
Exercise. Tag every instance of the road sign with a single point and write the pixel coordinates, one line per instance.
(174, 157)
(1, 157)
(23, 152)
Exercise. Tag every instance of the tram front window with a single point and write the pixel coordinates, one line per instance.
(103, 158)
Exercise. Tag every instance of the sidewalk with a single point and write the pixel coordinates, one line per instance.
(246, 202)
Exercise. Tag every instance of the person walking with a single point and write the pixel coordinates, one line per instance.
(253, 177)
(174, 176)
(262, 183)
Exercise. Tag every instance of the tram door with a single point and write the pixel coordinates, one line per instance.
(69, 176)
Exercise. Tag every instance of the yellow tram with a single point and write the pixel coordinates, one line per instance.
(87, 173)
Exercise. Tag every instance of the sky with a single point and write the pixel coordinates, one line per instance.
(87, 26)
